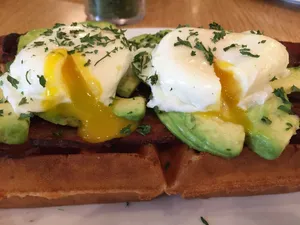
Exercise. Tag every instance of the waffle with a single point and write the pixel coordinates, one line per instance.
(50, 170)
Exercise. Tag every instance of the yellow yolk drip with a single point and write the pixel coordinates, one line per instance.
(230, 97)
(98, 121)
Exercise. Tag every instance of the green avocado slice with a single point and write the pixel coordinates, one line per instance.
(13, 128)
(271, 128)
(206, 134)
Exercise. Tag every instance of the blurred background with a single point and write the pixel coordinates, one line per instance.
(278, 19)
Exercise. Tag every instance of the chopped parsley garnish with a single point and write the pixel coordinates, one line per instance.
(274, 78)
(295, 89)
(27, 72)
(1, 112)
(1, 82)
(192, 34)
(229, 47)
(25, 116)
(75, 32)
(256, 32)
(42, 80)
(140, 62)
(280, 93)
(153, 79)
(246, 51)
(9, 113)
(183, 25)
(57, 25)
(218, 36)
(74, 24)
(182, 42)
(204, 221)
(144, 129)
(23, 101)
(107, 55)
(262, 42)
(207, 53)
(215, 26)
(46, 49)
(286, 109)
(266, 120)
(13, 81)
(193, 53)
(48, 32)
(87, 63)
(61, 35)
(126, 130)
(214, 49)
(289, 126)
(71, 52)
(38, 43)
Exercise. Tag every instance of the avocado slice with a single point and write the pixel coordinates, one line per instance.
(54, 117)
(208, 134)
(130, 81)
(128, 84)
(148, 40)
(290, 83)
(130, 108)
(13, 128)
(271, 128)
(29, 37)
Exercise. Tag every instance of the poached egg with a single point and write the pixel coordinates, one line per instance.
(73, 70)
(214, 72)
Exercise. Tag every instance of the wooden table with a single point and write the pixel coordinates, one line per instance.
(275, 20)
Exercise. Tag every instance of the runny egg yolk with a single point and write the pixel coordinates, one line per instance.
(230, 97)
(98, 122)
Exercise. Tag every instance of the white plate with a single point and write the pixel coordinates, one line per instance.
(259, 210)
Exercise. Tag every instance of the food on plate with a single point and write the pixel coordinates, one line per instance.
(143, 116)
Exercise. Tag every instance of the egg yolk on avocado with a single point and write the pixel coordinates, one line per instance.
(230, 97)
(98, 122)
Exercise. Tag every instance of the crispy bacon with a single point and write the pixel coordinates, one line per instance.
(8, 47)
(48, 138)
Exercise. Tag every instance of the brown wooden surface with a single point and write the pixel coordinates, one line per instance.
(276, 20)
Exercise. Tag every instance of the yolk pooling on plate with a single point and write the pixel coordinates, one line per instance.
(230, 97)
(98, 121)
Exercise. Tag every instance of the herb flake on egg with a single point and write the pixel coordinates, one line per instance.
(13, 81)
(207, 53)
(42, 80)
(182, 42)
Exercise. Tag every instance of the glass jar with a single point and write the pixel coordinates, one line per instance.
(119, 12)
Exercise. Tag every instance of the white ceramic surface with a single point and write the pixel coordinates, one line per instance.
(259, 210)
